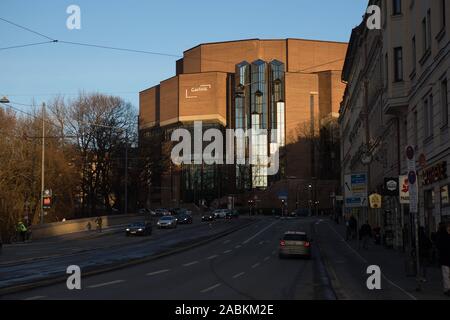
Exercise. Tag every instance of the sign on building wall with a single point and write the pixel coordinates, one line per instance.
(404, 189)
(355, 190)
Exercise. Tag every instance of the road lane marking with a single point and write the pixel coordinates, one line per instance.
(256, 265)
(261, 242)
(259, 232)
(226, 241)
(227, 251)
(366, 262)
(212, 257)
(238, 275)
(210, 288)
(35, 298)
(266, 258)
(158, 272)
(238, 246)
(190, 263)
(105, 284)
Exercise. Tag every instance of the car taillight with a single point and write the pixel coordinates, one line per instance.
(307, 244)
(282, 243)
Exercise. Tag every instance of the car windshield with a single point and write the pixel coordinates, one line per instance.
(295, 237)
(137, 225)
(166, 218)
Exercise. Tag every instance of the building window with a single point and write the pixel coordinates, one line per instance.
(416, 129)
(386, 70)
(414, 53)
(429, 28)
(398, 64)
(426, 32)
(428, 116)
(444, 102)
(396, 7)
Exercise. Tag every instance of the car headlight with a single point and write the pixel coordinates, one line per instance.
(158, 223)
(127, 229)
(139, 230)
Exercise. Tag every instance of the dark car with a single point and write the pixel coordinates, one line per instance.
(139, 229)
(210, 216)
(184, 218)
(232, 214)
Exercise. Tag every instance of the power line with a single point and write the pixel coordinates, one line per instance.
(27, 29)
(27, 45)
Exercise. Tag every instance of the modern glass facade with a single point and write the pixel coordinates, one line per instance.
(259, 105)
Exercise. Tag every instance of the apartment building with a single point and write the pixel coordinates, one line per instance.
(397, 96)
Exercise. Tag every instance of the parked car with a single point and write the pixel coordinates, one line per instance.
(183, 218)
(162, 212)
(167, 222)
(183, 211)
(139, 229)
(295, 243)
(209, 216)
(146, 211)
(220, 213)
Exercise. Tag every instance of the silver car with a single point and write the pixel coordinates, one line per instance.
(295, 243)
(167, 222)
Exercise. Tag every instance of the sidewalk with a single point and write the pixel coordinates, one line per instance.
(392, 264)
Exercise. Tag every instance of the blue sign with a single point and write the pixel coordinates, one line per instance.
(358, 179)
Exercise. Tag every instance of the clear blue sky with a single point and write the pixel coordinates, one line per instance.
(169, 26)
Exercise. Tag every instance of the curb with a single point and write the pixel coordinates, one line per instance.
(108, 268)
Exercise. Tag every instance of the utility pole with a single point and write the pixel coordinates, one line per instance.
(126, 174)
(43, 164)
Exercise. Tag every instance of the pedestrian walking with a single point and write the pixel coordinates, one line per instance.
(424, 252)
(443, 245)
(365, 233)
(22, 230)
(99, 222)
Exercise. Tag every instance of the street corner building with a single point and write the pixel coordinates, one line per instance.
(397, 96)
(290, 87)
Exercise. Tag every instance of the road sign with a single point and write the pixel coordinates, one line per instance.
(404, 190)
(355, 190)
(375, 201)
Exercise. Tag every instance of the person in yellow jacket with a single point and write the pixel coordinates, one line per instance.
(22, 230)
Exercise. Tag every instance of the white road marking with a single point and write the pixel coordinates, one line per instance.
(35, 298)
(256, 265)
(261, 242)
(105, 284)
(157, 272)
(366, 262)
(190, 263)
(259, 232)
(227, 251)
(210, 288)
(238, 246)
(226, 241)
(212, 257)
(266, 258)
(238, 275)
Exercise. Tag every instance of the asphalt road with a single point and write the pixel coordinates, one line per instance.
(241, 265)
